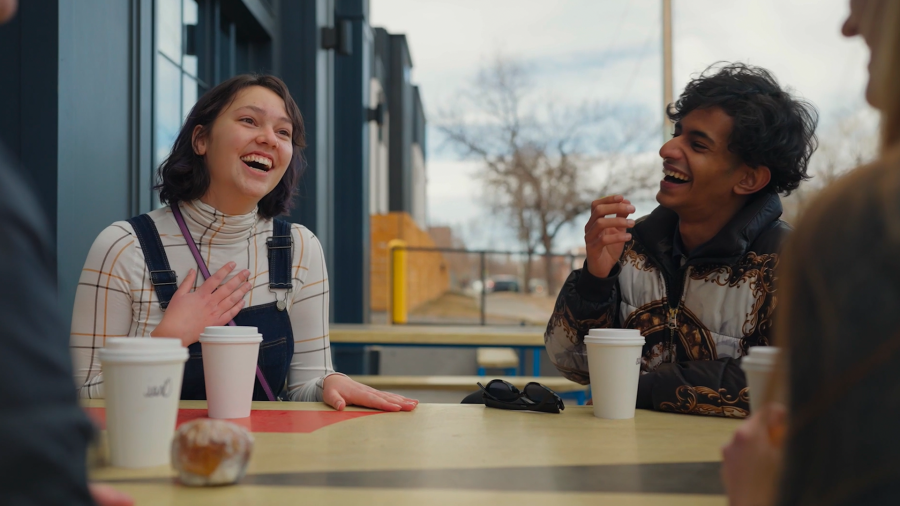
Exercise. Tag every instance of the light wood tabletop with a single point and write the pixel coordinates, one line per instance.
(437, 335)
(454, 454)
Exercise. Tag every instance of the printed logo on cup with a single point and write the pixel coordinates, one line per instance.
(164, 390)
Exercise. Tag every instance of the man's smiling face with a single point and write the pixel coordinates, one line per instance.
(699, 172)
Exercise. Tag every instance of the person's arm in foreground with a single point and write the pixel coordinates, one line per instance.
(43, 432)
(752, 460)
(589, 297)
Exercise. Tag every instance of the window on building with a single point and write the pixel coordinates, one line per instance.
(177, 82)
(199, 43)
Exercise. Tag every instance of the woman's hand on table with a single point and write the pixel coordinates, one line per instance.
(752, 461)
(189, 313)
(341, 391)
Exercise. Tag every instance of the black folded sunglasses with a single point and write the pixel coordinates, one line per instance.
(501, 394)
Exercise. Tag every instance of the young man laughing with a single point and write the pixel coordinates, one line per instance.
(696, 276)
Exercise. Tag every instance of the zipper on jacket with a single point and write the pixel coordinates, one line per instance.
(672, 324)
(673, 294)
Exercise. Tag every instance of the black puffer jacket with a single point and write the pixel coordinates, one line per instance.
(698, 318)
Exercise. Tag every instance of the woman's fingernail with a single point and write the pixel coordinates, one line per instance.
(630, 223)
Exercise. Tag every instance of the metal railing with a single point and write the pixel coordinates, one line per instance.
(480, 286)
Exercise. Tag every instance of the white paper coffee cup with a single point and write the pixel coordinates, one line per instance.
(142, 383)
(614, 362)
(758, 365)
(229, 369)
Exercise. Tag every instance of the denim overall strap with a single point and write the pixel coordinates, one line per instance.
(281, 246)
(272, 319)
(163, 278)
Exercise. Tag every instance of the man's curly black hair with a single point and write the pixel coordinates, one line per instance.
(771, 128)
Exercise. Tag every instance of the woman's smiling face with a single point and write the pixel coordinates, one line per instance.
(247, 150)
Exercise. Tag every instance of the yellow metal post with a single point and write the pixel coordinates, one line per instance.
(398, 259)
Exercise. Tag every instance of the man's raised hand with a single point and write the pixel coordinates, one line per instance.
(605, 238)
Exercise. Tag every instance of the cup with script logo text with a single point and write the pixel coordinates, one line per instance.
(230, 355)
(614, 362)
(142, 384)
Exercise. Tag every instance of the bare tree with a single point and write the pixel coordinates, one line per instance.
(851, 141)
(543, 163)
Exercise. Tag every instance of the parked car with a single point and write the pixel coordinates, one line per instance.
(503, 284)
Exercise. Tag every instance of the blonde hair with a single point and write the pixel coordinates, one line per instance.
(839, 286)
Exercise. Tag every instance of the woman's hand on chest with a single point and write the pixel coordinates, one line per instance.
(212, 304)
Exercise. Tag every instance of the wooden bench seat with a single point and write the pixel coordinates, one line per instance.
(468, 383)
(497, 358)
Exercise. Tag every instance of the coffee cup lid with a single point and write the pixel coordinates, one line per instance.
(614, 336)
(230, 335)
(143, 349)
(230, 330)
(142, 343)
(763, 351)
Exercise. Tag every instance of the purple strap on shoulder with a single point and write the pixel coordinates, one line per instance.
(203, 270)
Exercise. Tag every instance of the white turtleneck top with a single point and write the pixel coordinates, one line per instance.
(116, 299)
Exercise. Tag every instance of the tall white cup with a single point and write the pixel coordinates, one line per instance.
(614, 361)
(229, 368)
(757, 366)
(142, 383)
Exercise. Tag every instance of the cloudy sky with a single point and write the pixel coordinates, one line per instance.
(610, 50)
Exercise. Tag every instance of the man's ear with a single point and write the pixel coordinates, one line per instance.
(198, 140)
(754, 180)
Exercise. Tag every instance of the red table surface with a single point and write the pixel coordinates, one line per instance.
(297, 422)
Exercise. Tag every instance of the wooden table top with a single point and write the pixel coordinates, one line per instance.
(455, 454)
(437, 335)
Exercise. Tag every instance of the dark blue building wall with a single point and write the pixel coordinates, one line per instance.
(95, 164)
(67, 92)
(308, 70)
(350, 270)
(77, 102)
(400, 100)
